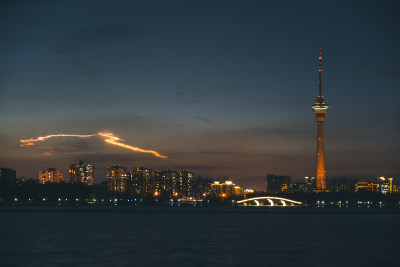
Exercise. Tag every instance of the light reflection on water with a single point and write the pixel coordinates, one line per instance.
(197, 236)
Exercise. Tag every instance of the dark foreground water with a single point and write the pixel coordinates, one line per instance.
(198, 236)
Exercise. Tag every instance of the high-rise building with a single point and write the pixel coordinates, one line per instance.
(142, 181)
(7, 176)
(227, 189)
(50, 176)
(147, 182)
(116, 179)
(81, 173)
(202, 187)
(278, 183)
(170, 182)
(186, 183)
(320, 108)
(133, 183)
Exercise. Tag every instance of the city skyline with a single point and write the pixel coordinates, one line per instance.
(182, 185)
(222, 89)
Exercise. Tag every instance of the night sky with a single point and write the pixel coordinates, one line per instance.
(223, 88)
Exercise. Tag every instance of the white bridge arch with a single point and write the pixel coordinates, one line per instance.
(269, 201)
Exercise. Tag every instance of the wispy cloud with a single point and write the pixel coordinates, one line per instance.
(200, 118)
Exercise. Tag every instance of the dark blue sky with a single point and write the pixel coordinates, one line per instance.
(223, 88)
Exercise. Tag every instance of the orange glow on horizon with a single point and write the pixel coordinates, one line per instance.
(108, 137)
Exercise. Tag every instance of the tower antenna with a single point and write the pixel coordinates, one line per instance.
(320, 73)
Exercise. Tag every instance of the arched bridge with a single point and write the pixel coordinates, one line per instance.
(269, 201)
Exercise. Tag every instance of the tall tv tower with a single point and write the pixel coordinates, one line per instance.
(320, 108)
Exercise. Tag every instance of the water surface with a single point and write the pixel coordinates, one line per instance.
(197, 236)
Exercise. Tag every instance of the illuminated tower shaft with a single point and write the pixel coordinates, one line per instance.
(320, 108)
(321, 172)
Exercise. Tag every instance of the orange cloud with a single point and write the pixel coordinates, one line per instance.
(108, 137)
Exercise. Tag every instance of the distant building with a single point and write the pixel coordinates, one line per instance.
(227, 189)
(7, 176)
(365, 187)
(300, 187)
(396, 188)
(147, 182)
(202, 187)
(278, 183)
(116, 179)
(311, 183)
(133, 183)
(50, 176)
(142, 181)
(385, 185)
(81, 173)
(238, 191)
(248, 191)
(186, 183)
(340, 184)
(170, 182)
(20, 180)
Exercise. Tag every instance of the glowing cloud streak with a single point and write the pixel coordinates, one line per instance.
(108, 137)
(112, 139)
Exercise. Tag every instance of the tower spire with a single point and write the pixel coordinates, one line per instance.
(320, 73)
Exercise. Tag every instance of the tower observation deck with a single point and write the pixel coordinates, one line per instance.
(320, 108)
